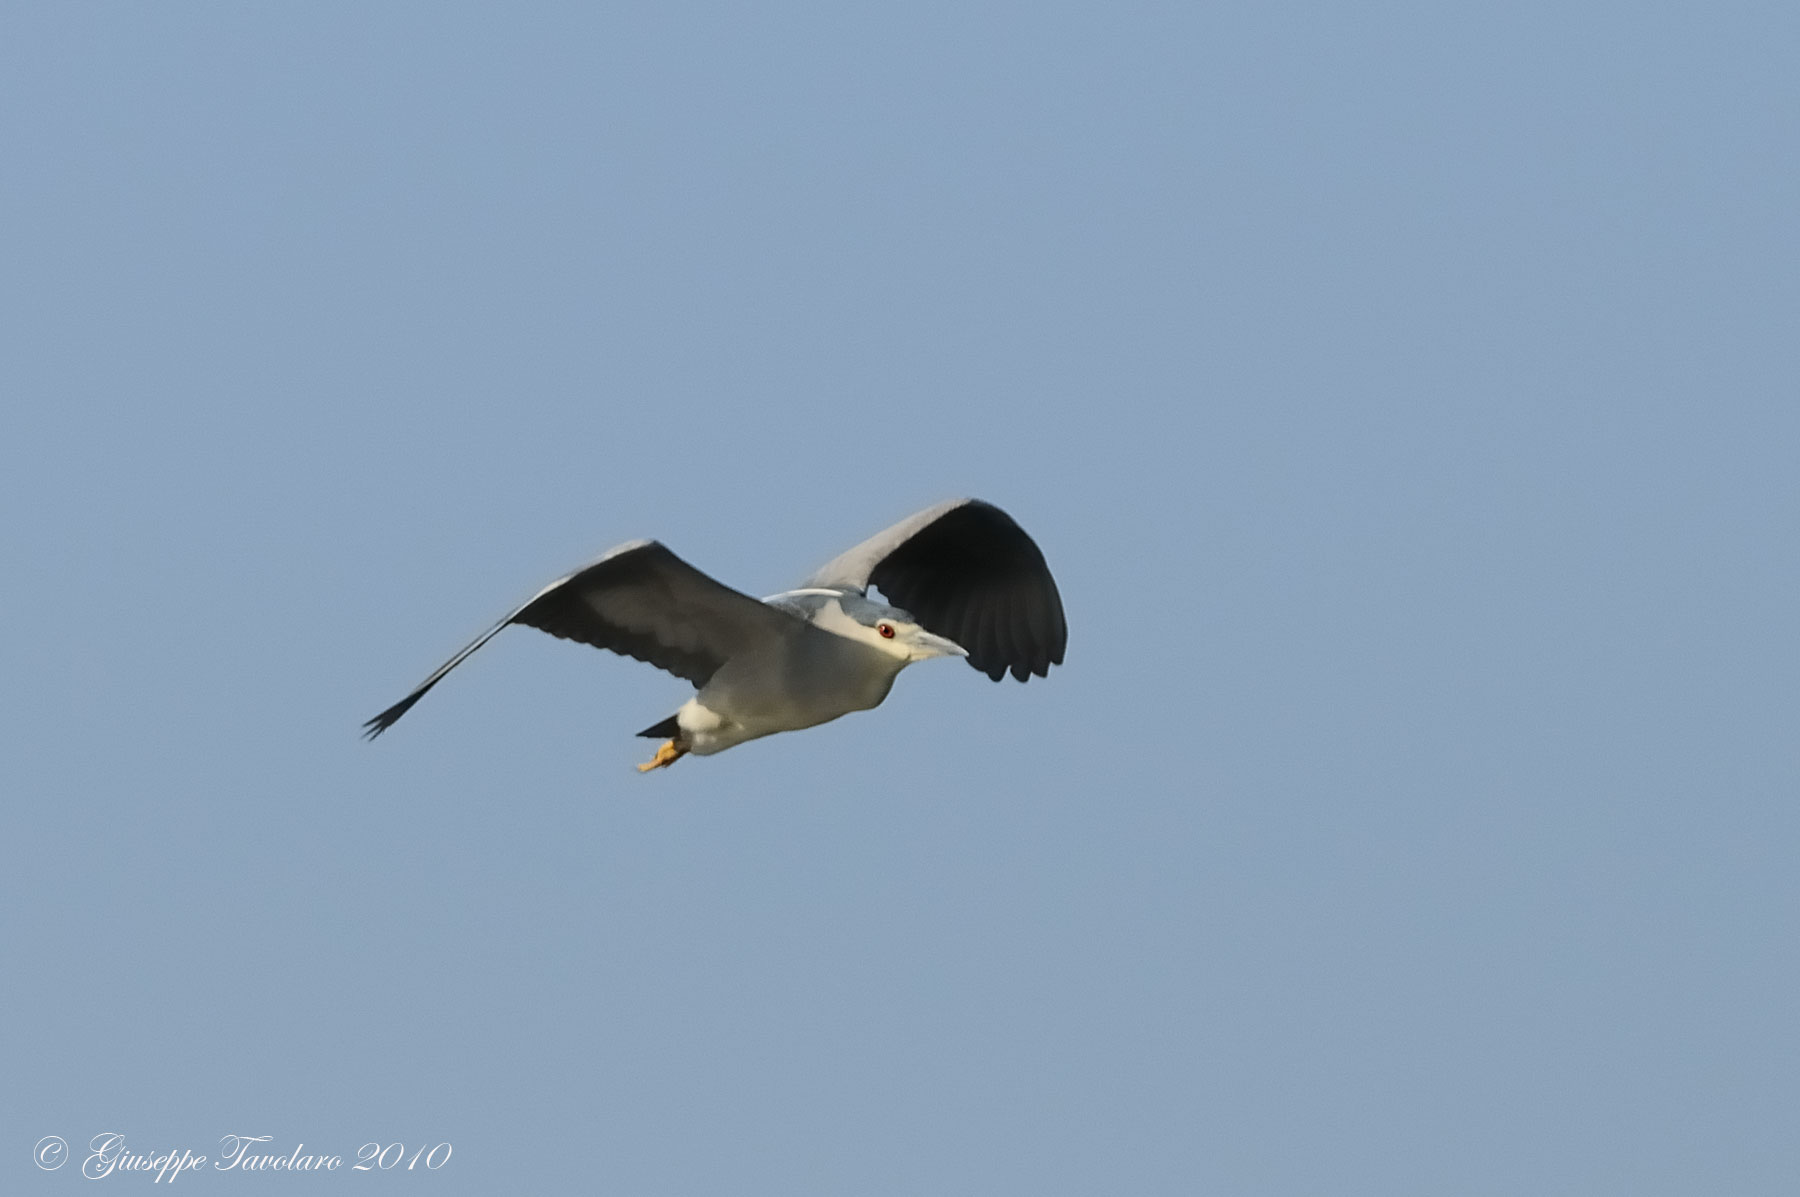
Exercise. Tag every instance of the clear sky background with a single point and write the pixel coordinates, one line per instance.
(1404, 395)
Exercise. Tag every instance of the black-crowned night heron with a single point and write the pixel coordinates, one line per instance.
(969, 581)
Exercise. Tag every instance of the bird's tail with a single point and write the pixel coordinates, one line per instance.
(667, 729)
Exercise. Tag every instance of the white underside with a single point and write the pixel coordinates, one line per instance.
(845, 681)
(705, 731)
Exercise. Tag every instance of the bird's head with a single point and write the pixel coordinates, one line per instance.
(895, 632)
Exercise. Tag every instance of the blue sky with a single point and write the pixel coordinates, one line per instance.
(1403, 395)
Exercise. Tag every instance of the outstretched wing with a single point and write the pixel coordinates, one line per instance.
(967, 571)
(640, 600)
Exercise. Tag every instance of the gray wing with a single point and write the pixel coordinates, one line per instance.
(967, 571)
(640, 600)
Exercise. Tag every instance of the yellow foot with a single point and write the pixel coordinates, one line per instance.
(667, 755)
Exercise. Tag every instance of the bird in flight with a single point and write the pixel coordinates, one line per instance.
(967, 580)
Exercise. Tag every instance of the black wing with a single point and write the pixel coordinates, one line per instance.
(640, 600)
(969, 572)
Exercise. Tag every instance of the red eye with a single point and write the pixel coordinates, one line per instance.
(886, 630)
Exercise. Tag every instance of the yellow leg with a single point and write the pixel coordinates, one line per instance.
(667, 755)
